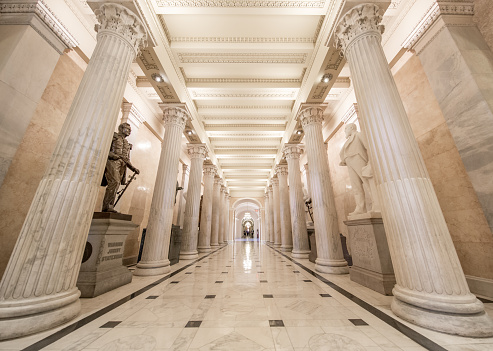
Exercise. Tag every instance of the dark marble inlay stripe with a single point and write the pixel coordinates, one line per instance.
(358, 322)
(110, 324)
(79, 324)
(410, 333)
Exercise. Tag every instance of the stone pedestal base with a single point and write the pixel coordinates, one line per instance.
(102, 269)
(372, 266)
(174, 245)
(313, 243)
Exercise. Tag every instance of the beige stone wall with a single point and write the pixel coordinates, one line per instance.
(458, 200)
(34, 152)
(483, 17)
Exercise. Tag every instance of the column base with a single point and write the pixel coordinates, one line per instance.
(331, 266)
(189, 255)
(214, 246)
(277, 246)
(478, 325)
(152, 268)
(300, 254)
(33, 315)
(204, 249)
(286, 248)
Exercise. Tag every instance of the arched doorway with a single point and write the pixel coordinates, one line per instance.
(247, 219)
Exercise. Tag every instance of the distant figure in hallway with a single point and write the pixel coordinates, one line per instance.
(354, 155)
(116, 166)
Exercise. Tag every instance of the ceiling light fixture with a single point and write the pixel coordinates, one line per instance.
(299, 132)
(189, 132)
(157, 77)
(326, 78)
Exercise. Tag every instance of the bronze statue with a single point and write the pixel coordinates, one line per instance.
(116, 166)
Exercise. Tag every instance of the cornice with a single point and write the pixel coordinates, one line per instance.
(451, 7)
(238, 40)
(243, 107)
(219, 95)
(353, 110)
(22, 12)
(211, 118)
(244, 125)
(277, 58)
(241, 80)
(242, 3)
(244, 139)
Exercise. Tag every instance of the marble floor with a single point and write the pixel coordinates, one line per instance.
(245, 296)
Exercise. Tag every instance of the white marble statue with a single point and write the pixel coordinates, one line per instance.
(354, 155)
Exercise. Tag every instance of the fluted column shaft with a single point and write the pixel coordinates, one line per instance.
(38, 289)
(222, 215)
(156, 245)
(226, 220)
(216, 210)
(180, 216)
(277, 212)
(272, 235)
(301, 248)
(329, 251)
(431, 289)
(188, 248)
(266, 228)
(285, 213)
(206, 215)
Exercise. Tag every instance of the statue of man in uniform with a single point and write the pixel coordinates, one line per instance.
(354, 155)
(116, 166)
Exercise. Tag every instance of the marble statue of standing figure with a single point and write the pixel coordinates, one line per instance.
(354, 155)
(116, 166)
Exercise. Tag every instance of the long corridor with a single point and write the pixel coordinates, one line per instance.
(245, 296)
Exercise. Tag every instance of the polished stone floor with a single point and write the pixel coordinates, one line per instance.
(245, 296)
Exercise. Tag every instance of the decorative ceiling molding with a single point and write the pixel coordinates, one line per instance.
(277, 58)
(243, 107)
(242, 3)
(210, 118)
(238, 95)
(242, 80)
(236, 40)
(262, 138)
(319, 27)
(266, 126)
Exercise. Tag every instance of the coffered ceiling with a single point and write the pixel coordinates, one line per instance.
(243, 68)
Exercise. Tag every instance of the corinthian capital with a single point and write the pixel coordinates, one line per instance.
(359, 20)
(311, 114)
(282, 169)
(173, 114)
(274, 181)
(209, 168)
(197, 150)
(120, 20)
(292, 151)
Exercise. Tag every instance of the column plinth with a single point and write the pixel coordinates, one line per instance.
(156, 245)
(329, 250)
(188, 249)
(431, 289)
(38, 291)
(301, 248)
(277, 211)
(285, 212)
(216, 210)
(206, 215)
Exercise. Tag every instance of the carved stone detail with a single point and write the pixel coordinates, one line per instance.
(310, 115)
(362, 19)
(282, 170)
(119, 19)
(203, 57)
(243, 3)
(197, 150)
(292, 151)
(174, 115)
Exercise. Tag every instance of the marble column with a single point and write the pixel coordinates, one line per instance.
(189, 236)
(222, 215)
(206, 215)
(227, 233)
(301, 248)
(329, 250)
(38, 289)
(431, 289)
(156, 245)
(284, 211)
(267, 217)
(458, 63)
(272, 236)
(277, 211)
(180, 209)
(216, 210)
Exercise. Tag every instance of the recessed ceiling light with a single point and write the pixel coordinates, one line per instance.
(157, 77)
(326, 78)
(299, 132)
(189, 132)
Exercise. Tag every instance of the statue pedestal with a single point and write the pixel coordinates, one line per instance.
(313, 243)
(372, 266)
(102, 269)
(174, 245)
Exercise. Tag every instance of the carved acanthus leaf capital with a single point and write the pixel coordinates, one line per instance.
(175, 115)
(197, 150)
(359, 20)
(292, 151)
(117, 18)
(274, 181)
(282, 170)
(209, 169)
(270, 190)
(310, 115)
(218, 181)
